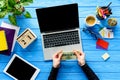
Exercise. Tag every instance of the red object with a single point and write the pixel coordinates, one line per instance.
(102, 43)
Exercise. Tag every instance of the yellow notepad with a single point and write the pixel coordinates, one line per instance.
(3, 42)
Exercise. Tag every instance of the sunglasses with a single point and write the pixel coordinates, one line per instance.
(92, 33)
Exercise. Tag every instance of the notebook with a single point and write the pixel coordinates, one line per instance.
(16, 28)
(3, 42)
(10, 37)
(59, 27)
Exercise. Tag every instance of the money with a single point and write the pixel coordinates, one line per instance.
(68, 56)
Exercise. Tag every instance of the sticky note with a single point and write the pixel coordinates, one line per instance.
(106, 33)
(102, 43)
(105, 56)
(3, 42)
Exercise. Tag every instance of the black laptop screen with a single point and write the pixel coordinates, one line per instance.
(58, 18)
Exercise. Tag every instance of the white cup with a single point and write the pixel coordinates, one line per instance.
(91, 21)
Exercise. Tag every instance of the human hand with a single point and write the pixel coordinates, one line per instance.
(80, 56)
(56, 59)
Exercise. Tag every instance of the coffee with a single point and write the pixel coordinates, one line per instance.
(90, 20)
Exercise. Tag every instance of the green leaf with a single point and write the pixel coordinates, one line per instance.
(17, 1)
(17, 6)
(11, 3)
(9, 8)
(18, 11)
(2, 14)
(2, 3)
(27, 14)
(12, 19)
(30, 1)
(25, 3)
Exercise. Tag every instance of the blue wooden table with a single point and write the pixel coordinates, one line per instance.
(105, 70)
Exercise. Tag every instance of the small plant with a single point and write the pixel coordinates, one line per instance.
(13, 8)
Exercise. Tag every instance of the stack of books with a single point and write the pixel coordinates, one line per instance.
(8, 35)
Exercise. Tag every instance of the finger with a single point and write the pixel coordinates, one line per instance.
(60, 51)
(60, 55)
(81, 53)
(57, 54)
(76, 53)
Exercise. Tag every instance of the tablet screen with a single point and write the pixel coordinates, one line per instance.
(20, 69)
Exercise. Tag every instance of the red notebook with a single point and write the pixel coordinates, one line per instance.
(103, 44)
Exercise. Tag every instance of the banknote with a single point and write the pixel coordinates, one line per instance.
(68, 56)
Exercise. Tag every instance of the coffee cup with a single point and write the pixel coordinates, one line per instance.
(91, 21)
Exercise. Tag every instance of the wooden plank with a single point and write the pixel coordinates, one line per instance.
(89, 45)
(90, 55)
(73, 67)
(44, 3)
(85, 35)
(69, 69)
(83, 11)
(38, 56)
(70, 76)
(33, 23)
(35, 28)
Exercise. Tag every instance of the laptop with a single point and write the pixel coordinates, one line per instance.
(59, 27)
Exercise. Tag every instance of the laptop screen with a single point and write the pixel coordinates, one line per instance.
(58, 18)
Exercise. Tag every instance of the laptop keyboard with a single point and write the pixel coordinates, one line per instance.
(61, 39)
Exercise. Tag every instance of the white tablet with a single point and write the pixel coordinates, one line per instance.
(20, 69)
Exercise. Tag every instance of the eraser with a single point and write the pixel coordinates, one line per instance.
(26, 38)
(105, 56)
